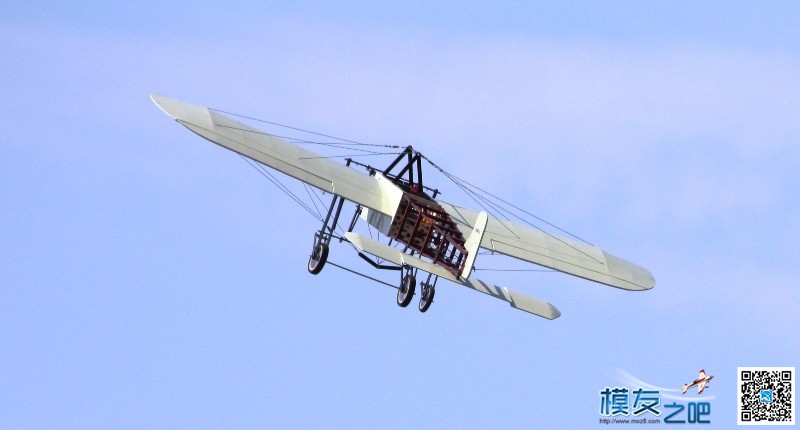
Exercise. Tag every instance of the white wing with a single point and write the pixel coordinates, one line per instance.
(274, 152)
(504, 237)
(565, 255)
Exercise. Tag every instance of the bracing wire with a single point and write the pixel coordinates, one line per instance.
(371, 154)
(265, 173)
(304, 131)
(477, 269)
(468, 192)
(319, 199)
(333, 145)
(319, 213)
(275, 181)
(475, 196)
(524, 211)
(485, 199)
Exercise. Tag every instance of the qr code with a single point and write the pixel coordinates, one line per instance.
(766, 396)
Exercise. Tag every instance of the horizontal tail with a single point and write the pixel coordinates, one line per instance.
(516, 300)
(684, 387)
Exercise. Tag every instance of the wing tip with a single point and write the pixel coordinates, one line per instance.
(187, 114)
(649, 284)
(628, 275)
(554, 312)
(163, 103)
(531, 305)
(648, 278)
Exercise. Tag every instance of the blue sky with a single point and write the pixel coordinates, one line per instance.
(151, 279)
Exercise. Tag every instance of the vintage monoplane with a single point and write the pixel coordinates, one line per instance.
(424, 233)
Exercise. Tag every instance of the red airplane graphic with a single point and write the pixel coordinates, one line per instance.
(701, 382)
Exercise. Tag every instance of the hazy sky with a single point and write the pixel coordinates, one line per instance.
(150, 279)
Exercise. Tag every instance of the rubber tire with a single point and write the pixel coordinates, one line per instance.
(425, 302)
(318, 258)
(406, 291)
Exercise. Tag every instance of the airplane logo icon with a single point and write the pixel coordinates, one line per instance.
(701, 383)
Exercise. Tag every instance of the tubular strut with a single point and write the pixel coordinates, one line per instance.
(322, 237)
(376, 265)
(324, 234)
(413, 170)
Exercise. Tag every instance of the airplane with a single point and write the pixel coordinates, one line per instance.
(425, 235)
(701, 382)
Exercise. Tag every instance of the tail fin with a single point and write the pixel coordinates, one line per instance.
(473, 242)
(684, 387)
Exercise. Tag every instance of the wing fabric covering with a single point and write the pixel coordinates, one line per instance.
(297, 162)
(557, 253)
(504, 237)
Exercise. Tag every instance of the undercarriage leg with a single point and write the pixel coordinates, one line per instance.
(322, 238)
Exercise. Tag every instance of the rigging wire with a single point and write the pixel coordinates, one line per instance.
(468, 188)
(275, 181)
(473, 195)
(318, 197)
(351, 155)
(312, 200)
(361, 274)
(293, 140)
(524, 211)
(265, 173)
(515, 270)
(468, 192)
(304, 131)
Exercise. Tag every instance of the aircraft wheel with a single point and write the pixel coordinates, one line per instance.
(406, 291)
(427, 298)
(318, 258)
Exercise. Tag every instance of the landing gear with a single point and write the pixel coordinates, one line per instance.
(428, 242)
(406, 291)
(428, 291)
(319, 255)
